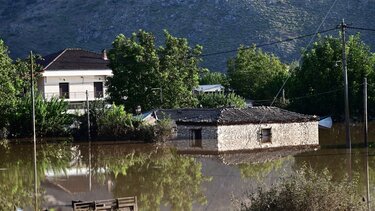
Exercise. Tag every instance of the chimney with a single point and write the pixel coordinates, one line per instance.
(104, 54)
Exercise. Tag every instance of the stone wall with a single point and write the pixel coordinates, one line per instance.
(242, 137)
(184, 141)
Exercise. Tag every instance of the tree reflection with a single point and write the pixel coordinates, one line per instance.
(17, 175)
(156, 176)
(259, 171)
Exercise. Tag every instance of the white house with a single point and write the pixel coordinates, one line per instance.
(69, 73)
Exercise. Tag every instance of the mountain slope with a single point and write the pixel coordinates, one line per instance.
(49, 26)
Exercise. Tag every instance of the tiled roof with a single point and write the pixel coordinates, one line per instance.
(225, 116)
(74, 59)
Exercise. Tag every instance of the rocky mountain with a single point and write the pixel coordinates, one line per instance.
(218, 25)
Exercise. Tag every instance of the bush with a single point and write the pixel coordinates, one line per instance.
(51, 117)
(115, 122)
(163, 130)
(307, 190)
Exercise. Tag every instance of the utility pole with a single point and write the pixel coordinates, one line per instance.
(345, 71)
(34, 131)
(365, 118)
(88, 116)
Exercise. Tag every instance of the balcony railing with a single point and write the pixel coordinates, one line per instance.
(74, 96)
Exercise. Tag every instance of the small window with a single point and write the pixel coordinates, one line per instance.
(64, 90)
(196, 137)
(265, 135)
(98, 89)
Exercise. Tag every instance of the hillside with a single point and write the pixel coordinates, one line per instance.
(49, 26)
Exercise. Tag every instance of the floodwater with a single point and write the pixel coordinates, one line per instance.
(163, 179)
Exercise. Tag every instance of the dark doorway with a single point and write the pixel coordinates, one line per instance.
(64, 90)
(196, 136)
(98, 89)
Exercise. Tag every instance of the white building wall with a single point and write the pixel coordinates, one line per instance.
(243, 137)
(77, 86)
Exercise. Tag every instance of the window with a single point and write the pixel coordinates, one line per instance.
(196, 137)
(265, 135)
(64, 90)
(98, 89)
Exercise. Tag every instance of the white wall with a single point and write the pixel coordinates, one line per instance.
(77, 86)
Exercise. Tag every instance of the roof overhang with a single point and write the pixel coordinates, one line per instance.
(76, 72)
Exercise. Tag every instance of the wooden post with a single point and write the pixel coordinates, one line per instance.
(34, 131)
(365, 117)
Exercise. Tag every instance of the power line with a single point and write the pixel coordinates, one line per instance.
(270, 43)
(360, 28)
(312, 95)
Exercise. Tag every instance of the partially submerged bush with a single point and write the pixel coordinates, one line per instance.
(307, 190)
(51, 117)
(163, 130)
(115, 122)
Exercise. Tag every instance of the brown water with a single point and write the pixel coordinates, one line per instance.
(160, 177)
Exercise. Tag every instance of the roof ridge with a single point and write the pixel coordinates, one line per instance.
(82, 49)
(58, 56)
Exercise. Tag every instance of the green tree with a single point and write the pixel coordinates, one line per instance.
(142, 71)
(135, 65)
(254, 74)
(321, 72)
(180, 71)
(214, 78)
(7, 89)
(217, 100)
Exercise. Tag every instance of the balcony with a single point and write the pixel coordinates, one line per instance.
(75, 96)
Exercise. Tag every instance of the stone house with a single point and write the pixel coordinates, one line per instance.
(233, 129)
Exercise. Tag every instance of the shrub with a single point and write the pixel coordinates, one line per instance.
(307, 190)
(163, 130)
(51, 117)
(115, 122)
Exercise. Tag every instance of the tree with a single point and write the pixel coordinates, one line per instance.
(135, 65)
(180, 71)
(317, 86)
(256, 75)
(210, 78)
(153, 77)
(7, 88)
(217, 100)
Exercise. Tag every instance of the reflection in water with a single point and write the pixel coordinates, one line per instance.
(259, 171)
(17, 181)
(336, 135)
(159, 177)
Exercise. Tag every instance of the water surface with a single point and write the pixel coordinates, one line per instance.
(160, 177)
